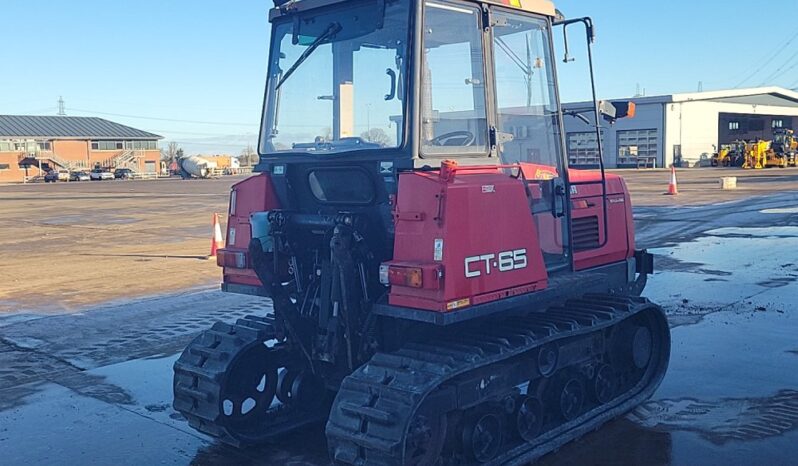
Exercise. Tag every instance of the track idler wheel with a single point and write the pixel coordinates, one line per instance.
(483, 435)
(247, 392)
(632, 346)
(529, 418)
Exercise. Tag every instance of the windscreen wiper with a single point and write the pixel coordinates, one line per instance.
(333, 29)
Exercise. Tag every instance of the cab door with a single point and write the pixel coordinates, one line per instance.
(527, 121)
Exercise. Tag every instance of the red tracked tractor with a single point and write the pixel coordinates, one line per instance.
(445, 289)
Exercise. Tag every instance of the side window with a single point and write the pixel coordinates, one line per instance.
(528, 119)
(454, 119)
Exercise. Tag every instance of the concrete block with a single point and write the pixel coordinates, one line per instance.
(728, 182)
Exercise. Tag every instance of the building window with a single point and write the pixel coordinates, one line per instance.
(107, 145)
(124, 145)
(638, 144)
(734, 126)
(5, 146)
(777, 124)
(25, 146)
(145, 145)
(46, 146)
(4, 166)
(583, 148)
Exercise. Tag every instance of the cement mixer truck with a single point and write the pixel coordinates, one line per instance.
(193, 166)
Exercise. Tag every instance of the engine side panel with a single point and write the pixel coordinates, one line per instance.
(477, 228)
(591, 248)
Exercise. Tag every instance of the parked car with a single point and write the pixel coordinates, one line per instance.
(99, 174)
(79, 176)
(124, 174)
(51, 176)
(63, 175)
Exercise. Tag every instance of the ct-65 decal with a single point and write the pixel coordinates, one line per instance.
(505, 261)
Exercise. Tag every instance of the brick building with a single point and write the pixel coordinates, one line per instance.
(30, 145)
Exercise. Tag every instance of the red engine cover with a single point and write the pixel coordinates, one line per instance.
(588, 220)
(476, 229)
(254, 194)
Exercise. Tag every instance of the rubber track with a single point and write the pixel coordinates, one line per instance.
(199, 374)
(373, 409)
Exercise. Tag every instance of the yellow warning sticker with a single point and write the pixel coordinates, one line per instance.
(452, 305)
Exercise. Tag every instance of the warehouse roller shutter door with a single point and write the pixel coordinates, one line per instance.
(638, 146)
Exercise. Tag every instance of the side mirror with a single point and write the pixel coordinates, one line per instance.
(612, 111)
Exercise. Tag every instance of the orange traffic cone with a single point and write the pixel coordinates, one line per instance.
(673, 190)
(216, 239)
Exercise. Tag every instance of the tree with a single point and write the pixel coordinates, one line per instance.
(377, 136)
(169, 153)
(248, 156)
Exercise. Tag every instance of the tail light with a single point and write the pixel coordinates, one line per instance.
(232, 259)
(402, 276)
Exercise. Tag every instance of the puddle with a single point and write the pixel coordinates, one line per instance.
(725, 420)
(57, 426)
(722, 269)
(731, 392)
(148, 382)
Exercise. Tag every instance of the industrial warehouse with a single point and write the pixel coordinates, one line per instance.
(34, 145)
(681, 128)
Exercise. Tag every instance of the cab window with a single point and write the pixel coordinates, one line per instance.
(453, 118)
(528, 118)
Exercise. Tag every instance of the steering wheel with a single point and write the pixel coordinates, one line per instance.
(454, 138)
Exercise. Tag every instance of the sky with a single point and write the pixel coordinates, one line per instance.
(194, 70)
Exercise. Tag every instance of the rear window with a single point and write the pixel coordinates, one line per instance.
(341, 185)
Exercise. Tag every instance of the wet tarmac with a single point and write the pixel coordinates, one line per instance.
(95, 387)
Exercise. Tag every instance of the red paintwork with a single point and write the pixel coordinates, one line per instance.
(621, 242)
(474, 223)
(254, 194)
(482, 211)
(475, 212)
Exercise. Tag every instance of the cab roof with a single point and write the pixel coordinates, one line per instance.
(542, 7)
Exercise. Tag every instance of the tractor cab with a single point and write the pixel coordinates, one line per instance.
(396, 79)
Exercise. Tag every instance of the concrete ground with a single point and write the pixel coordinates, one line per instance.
(87, 343)
(68, 245)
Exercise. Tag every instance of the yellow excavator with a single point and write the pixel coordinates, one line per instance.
(759, 154)
(730, 155)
